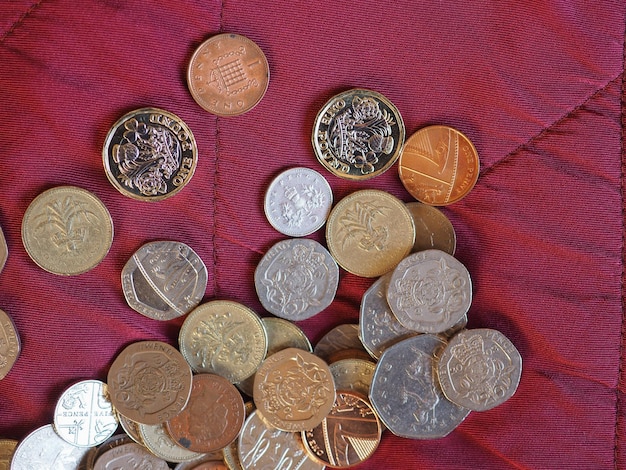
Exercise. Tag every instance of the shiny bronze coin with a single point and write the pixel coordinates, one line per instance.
(358, 134)
(4, 250)
(149, 154)
(228, 74)
(213, 417)
(432, 229)
(7, 448)
(438, 165)
(349, 434)
(149, 382)
(67, 230)
(10, 345)
(294, 390)
(131, 455)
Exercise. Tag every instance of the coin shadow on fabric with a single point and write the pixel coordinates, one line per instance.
(496, 320)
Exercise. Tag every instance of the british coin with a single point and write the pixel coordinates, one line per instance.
(7, 449)
(43, 448)
(84, 415)
(149, 382)
(262, 446)
(67, 230)
(298, 201)
(213, 417)
(211, 457)
(228, 74)
(225, 338)
(281, 334)
(353, 375)
(429, 291)
(378, 326)
(358, 134)
(479, 369)
(158, 441)
(230, 453)
(454, 329)
(348, 436)
(406, 394)
(432, 229)
(130, 427)
(10, 345)
(4, 250)
(164, 280)
(110, 443)
(341, 337)
(131, 455)
(149, 154)
(438, 165)
(296, 279)
(369, 232)
(294, 390)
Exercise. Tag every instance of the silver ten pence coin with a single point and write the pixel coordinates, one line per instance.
(298, 201)
(296, 279)
(429, 291)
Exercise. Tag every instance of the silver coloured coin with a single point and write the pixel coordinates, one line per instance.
(429, 291)
(296, 279)
(43, 449)
(378, 326)
(298, 201)
(406, 394)
(131, 455)
(164, 280)
(158, 441)
(479, 369)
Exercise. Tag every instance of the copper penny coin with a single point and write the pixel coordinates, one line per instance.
(228, 74)
(213, 417)
(10, 345)
(438, 165)
(149, 382)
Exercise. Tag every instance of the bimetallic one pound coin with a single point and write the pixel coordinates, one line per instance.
(369, 232)
(433, 230)
(149, 382)
(149, 154)
(438, 165)
(164, 280)
(67, 230)
(228, 74)
(10, 345)
(358, 134)
(479, 369)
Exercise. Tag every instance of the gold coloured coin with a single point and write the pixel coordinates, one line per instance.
(4, 250)
(7, 448)
(10, 345)
(432, 229)
(369, 232)
(228, 74)
(67, 230)
(149, 154)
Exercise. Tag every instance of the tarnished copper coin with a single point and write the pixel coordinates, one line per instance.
(149, 382)
(228, 74)
(149, 154)
(294, 390)
(10, 345)
(67, 230)
(213, 417)
(432, 229)
(438, 165)
(358, 134)
(164, 280)
(130, 455)
(346, 437)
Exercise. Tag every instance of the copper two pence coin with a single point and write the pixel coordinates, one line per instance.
(228, 74)
(213, 417)
(149, 382)
(438, 165)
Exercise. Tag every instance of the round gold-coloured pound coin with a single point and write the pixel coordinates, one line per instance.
(369, 232)
(438, 165)
(228, 74)
(432, 229)
(67, 230)
(358, 134)
(149, 154)
(10, 345)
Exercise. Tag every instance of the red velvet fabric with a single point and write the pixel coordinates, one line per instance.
(537, 87)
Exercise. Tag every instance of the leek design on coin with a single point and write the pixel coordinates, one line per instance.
(149, 154)
(358, 134)
(164, 280)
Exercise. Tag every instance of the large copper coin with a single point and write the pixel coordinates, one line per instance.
(349, 434)
(149, 154)
(228, 74)
(10, 345)
(358, 134)
(149, 382)
(294, 390)
(438, 165)
(164, 280)
(67, 230)
(213, 417)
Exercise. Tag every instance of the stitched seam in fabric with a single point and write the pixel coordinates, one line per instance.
(547, 129)
(21, 19)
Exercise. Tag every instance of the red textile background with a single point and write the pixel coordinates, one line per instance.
(537, 87)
